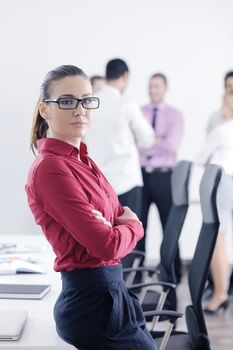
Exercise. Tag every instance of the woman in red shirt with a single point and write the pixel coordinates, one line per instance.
(82, 219)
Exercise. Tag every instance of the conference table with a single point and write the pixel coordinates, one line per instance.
(39, 332)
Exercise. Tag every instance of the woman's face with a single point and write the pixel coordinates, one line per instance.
(69, 125)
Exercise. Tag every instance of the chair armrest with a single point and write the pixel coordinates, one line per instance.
(151, 270)
(165, 285)
(172, 315)
(138, 252)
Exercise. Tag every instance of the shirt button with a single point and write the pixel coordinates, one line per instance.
(107, 194)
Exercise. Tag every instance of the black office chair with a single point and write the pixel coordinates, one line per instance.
(197, 336)
(152, 299)
(169, 245)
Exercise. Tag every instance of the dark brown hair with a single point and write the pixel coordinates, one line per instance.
(39, 124)
(116, 68)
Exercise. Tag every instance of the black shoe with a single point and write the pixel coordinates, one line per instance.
(224, 305)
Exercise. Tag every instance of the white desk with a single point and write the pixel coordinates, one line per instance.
(39, 332)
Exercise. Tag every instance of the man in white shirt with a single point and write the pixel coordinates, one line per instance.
(118, 129)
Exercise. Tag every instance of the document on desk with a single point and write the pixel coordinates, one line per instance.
(9, 266)
(23, 291)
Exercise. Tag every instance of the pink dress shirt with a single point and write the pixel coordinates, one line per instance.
(168, 129)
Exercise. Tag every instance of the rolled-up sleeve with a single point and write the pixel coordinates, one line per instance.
(143, 132)
(61, 196)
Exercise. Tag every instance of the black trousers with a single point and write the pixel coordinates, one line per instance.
(157, 190)
(95, 310)
(133, 199)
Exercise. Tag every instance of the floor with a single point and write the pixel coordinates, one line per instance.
(220, 327)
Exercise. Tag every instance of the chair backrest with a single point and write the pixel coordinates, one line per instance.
(175, 221)
(202, 256)
(179, 183)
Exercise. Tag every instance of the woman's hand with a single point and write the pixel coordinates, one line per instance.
(127, 215)
(99, 216)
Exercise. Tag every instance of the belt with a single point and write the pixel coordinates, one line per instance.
(150, 169)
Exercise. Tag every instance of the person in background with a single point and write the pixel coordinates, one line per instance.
(215, 119)
(158, 161)
(116, 133)
(81, 217)
(97, 83)
(218, 149)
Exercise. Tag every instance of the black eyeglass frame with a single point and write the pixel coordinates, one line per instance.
(78, 100)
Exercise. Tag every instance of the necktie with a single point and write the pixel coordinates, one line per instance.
(155, 110)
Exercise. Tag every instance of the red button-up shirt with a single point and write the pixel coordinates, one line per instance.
(62, 192)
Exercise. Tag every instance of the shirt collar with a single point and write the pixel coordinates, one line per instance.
(60, 147)
(111, 90)
(160, 106)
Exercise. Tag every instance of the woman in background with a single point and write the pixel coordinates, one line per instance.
(82, 219)
(218, 149)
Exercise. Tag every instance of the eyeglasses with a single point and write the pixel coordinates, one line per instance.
(72, 102)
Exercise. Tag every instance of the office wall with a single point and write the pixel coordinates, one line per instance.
(190, 41)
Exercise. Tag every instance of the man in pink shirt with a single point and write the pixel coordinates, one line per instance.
(158, 161)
